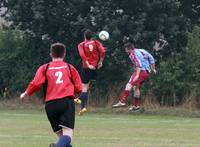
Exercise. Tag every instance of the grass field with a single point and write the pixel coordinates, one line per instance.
(30, 128)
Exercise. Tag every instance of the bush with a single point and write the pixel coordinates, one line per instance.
(20, 57)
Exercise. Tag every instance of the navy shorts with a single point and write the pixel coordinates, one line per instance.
(61, 113)
(88, 75)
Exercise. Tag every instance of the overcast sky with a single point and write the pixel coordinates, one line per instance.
(2, 10)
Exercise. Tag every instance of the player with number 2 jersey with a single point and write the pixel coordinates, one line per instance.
(62, 82)
(60, 78)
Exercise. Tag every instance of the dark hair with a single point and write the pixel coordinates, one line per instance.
(58, 50)
(129, 45)
(88, 34)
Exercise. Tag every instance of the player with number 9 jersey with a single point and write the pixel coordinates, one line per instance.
(92, 54)
(90, 50)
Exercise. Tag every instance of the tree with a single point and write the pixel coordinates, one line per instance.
(192, 62)
(191, 9)
(14, 66)
(47, 21)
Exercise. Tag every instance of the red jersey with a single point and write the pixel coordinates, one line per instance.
(59, 80)
(90, 50)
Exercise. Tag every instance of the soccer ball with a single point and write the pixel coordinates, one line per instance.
(104, 35)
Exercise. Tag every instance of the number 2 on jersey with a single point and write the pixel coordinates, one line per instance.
(59, 75)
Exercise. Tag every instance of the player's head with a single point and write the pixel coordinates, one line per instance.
(129, 46)
(57, 50)
(88, 34)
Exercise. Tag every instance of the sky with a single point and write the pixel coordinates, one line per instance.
(2, 10)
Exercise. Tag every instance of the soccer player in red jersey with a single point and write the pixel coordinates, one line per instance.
(62, 83)
(92, 54)
(144, 63)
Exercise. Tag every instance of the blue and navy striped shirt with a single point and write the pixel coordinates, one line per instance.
(142, 59)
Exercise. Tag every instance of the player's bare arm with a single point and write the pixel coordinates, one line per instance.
(153, 68)
(100, 64)
(90, 66)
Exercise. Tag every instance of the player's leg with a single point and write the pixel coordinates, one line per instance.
(84, 98)
(92, 77)
(67, 120)
(85, 85)
(65, 139)
(137, 84)
(53, 117)
(124, 94)
(84, 95)
(136, 99)
(87, 76)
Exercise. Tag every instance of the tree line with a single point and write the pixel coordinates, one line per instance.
(34, 25)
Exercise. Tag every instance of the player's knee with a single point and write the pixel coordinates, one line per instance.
(85, 87)
(136, 88)
(128, 87)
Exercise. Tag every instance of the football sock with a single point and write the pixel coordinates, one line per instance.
(124, 95)
(84, 99)
(64, 141)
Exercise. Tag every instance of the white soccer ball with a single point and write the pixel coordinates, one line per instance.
(104, 35)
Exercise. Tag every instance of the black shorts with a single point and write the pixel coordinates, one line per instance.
(88, 75)
(61, 113)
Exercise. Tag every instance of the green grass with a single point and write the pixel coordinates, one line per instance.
(30, 128)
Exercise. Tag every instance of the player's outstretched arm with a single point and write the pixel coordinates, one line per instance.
(36, 83)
